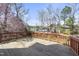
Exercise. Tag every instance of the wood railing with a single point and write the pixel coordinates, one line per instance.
(72, 41)
(42, 35)
(60, 38)
(12, 35)
(74, 44)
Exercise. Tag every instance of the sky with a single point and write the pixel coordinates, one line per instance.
(33, 10)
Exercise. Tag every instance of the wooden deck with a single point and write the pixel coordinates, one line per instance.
(39, 50)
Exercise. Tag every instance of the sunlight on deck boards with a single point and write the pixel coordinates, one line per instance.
(24, 43)
(36, 47)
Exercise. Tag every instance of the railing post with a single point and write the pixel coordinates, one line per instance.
(74, 44)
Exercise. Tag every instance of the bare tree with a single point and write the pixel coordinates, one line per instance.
(5, 11)
(41, 17)
(20, 12)
(58, 18)
(47, 17)
(52, 17)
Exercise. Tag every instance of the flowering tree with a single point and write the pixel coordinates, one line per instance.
(14, 12)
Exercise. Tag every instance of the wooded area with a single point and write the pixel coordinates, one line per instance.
(60, 20)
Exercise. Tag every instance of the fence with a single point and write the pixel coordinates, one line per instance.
(72, 41)
(60, 38)
(11, 35)
(74, 44)
(47, 36)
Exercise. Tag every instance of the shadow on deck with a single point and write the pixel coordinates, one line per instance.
(39, 50)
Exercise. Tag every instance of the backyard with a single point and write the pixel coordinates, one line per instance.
(50, 30)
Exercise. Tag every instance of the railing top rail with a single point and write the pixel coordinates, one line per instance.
(50, 33)
(12, 32)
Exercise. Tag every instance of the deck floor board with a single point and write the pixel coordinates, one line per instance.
(38, 50)
(37, 47)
